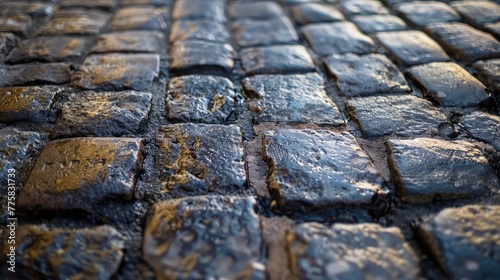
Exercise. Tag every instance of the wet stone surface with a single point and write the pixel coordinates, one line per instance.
(344, 251)
(204, 30)
(204, 237)
(311, 170)
(130, 41)
(103, 114)
(27, 103)
(363, 7)
(337, 38)
(17, 23)
(489, 73)
(465, 241)
(315, 12)
(140, 18)
(403, 115)
(199, 9)
(76, 22)
(478, 12)
(249, 32)
(412, 47)
(464, 42)
(379, 23)
(79, 172)
(448, 84)
(30, 74)
(200, 99)
(424, 169)
(421, 13)
(117, 72)
(276, 60)
(43, 253)
(199, 158)
(365, 75)
(290, 98)
(484, 127)
(199, 57)
(258, 10)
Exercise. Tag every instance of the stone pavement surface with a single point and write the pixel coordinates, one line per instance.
(250, 139)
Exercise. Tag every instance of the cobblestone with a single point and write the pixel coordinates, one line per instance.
(248, 32)
(17, 23)
(130, 41)
(199, 9)
(27, 103)
(30, 74)
(259, 10)
(315, 12)
(37, 11)
(363, 7)
(204, 30)
(484, 127)
(478, 12)
(200, 57)
(379, 23)
(494, 29)
(421, 13)
(140, 18)
(89, 4)
(489, 73)
(276, 60)
(76, 22)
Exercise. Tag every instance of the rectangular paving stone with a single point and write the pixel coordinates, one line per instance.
(27, 103)
(18, 23)
(36, 10)
(204, 237)
(448, 84)
(412, 47)
(464, 42)
(103, 114)
(256, 10)
(117, 72)
(200, 158)
(345, 251)
(478, 12)
(465, 241)
(76, 22)
(89, 253)
(89, 4)
(378, 23)
(402, 115)
(204, 30)
(484, 127)
(249, 32)
(140, 18)
(76, 173)
(130, 41)
(290, 98)
(315, 170)
(8, 41)
(363, 7)
(32, 74)
(200, 99)
(201, 57)
(424, 169)
(421, 13)
(489, 73)
(337, 38)
(315, 12)
(199, 9)
(365, 75)
(50, 49)
(276, 60)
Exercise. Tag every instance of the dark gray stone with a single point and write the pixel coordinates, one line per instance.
(489, 73)
(18, 23)
(412, 47)
(79, 172)
(204, 30)
(379, 23)
(199, 57)
(363, 7)
(27, 103)
(89, 4)
(493, 28)
(76, 22)
(130, 41)
(344, 251)
(464, 42)
(448, 84)
(337, 38)
(402, 115)
(200, 158)
(200, 99)
(117, 72)
(315, 12)
(199, 9)
(249, 32)
(276, 60)
(140, 18)
(478, 12)
(484, 127)
(203, 238)
(421, 13)
(424, 169)
(7, 42)
(256, 10)
(465, 241)
(365, 75)
(33, 74)
(291, 98)
(103, 114)
(314, 170)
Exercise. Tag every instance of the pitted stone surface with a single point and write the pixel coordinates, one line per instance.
(276, 60)
(489, 73)
(18, 23)
(103, 114)
(27, 103)
(7, 42)
(464, 42)
(421, 13)
(204, 30)
(448, 84)
(200, 99)
(363, 7)
(30, 74)
(200, 158)
(379, 23)
(365, 75)
(130, 41)
(478, 12)
(140, 18)
(199, 9)
(344, 251)
(337, 38)
(291, 98)
(424, 169)
(117, 72)
(43, 253)
(315, 12)
(204, 237)
(403, 115)
(311, 170)
(50, 49)
(75, 173)
(412, 47)
(200, 57)
(249, 32)
(76, 22)
(484, 127)
(258, 10)
(89, 4)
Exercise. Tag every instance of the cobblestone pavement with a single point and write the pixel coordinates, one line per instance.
(247, 139)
